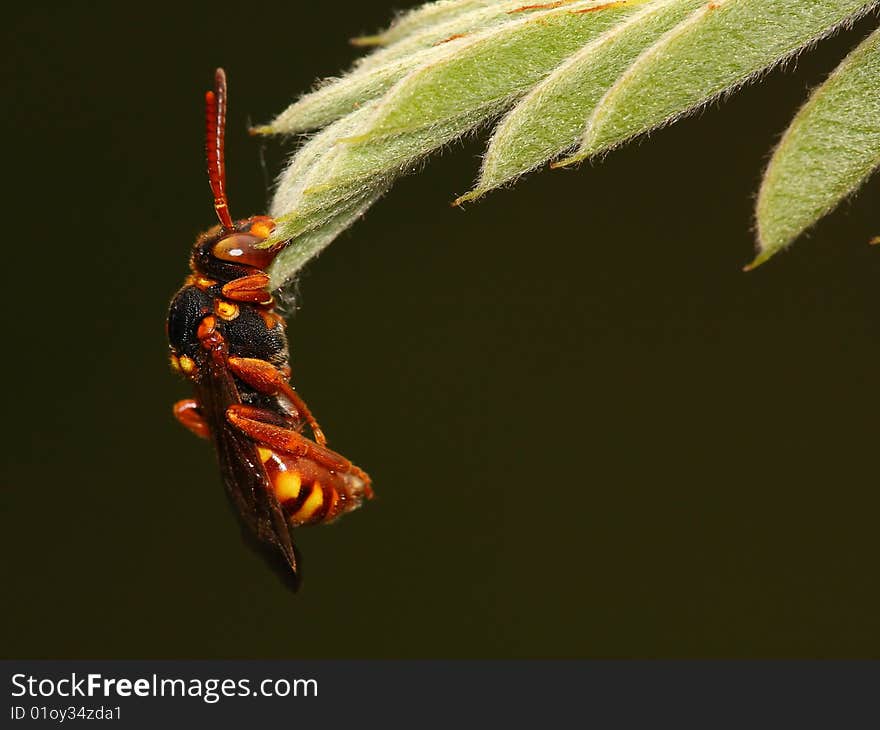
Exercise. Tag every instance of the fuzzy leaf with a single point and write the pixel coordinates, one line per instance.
(424, 17)
(523, 140)
(362, 152)
(493, 67)
(719, 48)
(451, 96)
(376, 73)
(831, 147)
(594, 72)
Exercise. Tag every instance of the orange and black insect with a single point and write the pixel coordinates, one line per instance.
(227, 339)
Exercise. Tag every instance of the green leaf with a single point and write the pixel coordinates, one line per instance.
(494, 67)
(359, 154)
(355, 168)
(296, 206)
(424, 18)
(830, 149)
(453, 94)
(523, 140)
(720, 47)
(563, 73)
(435, 36)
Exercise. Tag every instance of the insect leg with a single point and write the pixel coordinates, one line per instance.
(257, 423)
(188, 413)
(251, 288)
(263, 377)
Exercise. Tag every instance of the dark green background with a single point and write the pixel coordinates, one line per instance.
(591, 435)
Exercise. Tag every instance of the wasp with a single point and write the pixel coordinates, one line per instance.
(227, 339)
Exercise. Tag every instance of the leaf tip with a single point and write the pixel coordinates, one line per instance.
(762, 258)
(568, 161)
(364, 41)
(468, 197)
(262, 131)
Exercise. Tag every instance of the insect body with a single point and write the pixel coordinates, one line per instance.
(229, 342)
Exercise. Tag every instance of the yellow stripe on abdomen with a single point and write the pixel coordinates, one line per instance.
(287, 485)
(308, 493)
(310, 506)
(286, 482)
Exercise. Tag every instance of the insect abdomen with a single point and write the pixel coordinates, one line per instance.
(309, 493)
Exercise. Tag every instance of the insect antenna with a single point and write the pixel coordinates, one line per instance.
(215, 146)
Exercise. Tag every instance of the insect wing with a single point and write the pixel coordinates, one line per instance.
(244, 476)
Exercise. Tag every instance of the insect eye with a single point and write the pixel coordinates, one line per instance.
(240, 248)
